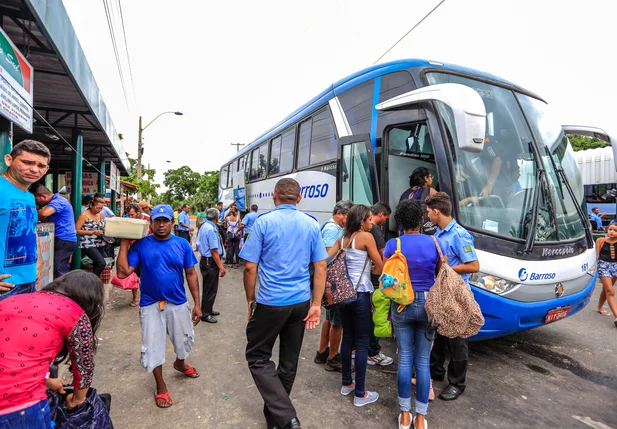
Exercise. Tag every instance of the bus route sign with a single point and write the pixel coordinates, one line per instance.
(16, 84)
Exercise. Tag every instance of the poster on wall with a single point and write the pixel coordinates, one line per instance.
(16, 84)
(46, 233)
(89, 183)
(114, 177)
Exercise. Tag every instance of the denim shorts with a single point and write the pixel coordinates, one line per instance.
(36, 416)
(334, 316)
(607, 269)
(19, 289)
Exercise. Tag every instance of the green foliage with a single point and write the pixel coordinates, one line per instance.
(182, 183)
(583, 142)
(147, 187)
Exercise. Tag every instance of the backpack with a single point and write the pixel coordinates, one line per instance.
(394, 281)
(428, 227)
(339, 288)
(381, 315)
(450, 304)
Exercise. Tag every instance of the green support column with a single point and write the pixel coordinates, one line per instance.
(102, 185)
(77, 142)
(114, 195)
(54, 180)
(6, 141)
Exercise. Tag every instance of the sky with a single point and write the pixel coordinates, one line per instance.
(237, 68)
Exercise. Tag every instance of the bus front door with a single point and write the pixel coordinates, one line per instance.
(356, 172)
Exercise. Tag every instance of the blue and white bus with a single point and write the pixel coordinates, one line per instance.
(489, 144)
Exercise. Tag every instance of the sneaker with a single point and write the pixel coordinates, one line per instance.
(379, 360)
(334, 364)
(368, 399)
(321, 358)
(347, 390)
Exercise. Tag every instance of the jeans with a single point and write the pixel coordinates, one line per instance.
(19, 289)
(62, 253)
(97, 254)
(357, 323)
(414, 350)
(34, 417)
(233, 245)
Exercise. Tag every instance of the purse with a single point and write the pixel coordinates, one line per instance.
(450, 304)
(339, 288)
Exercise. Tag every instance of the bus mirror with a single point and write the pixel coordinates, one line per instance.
(466, 104)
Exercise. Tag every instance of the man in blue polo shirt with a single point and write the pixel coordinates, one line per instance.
(19, 250)
(59, 211)
(597, 217)
(184, 223)
(210, 246)
(163, 261)
(282, 244)
(249, 220)
(458, 246)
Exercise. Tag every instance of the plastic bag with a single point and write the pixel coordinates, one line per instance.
(129, 283)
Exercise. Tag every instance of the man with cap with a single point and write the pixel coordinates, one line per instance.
(283, 307)
(163, 261)
(145, 209)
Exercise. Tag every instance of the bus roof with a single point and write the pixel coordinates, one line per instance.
(356, 79)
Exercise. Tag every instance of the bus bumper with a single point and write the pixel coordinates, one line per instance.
(503, 316)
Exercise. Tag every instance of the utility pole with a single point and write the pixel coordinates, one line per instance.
(237, 145)
(139, 151)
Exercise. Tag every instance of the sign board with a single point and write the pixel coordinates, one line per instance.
(16, 84)
(46, 233)
(89, 183)
(114, 178)
(239, 199)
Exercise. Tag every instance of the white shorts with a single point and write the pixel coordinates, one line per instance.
(175, 321)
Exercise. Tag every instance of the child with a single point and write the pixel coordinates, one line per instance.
(607, 269)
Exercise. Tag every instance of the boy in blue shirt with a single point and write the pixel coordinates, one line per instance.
(457, 244)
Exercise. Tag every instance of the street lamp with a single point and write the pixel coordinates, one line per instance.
(140, 144)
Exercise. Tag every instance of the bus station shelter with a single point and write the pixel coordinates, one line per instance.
(67, 102)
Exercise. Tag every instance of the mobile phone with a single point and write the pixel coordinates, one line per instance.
(253, 307)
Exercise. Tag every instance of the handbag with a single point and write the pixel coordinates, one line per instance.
(339, 288)
(450, 305)
(92, 414)
(129, 283)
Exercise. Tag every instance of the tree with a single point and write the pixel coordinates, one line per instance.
(207, 191)
(147, 187)
(584, 143)
(182, 183)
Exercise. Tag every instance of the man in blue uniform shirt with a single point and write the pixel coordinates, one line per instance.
(457, 244)
(249, 220)
(163, 261)
(210, 247)
(282, 244)
(184, 223)
(59, 211)
(597, 217)
(19, 250)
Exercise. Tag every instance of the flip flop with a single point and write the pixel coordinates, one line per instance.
(191, 372)
(134, 303)
(166, 397)
(603, 312)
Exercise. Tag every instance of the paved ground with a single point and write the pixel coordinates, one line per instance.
(561, 375)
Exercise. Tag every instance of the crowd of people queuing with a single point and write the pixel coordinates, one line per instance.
(285, 251)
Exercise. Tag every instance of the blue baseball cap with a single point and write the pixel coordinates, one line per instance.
(162, 210)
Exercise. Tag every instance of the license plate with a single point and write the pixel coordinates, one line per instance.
(556, 314)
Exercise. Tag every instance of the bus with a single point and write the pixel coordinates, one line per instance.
(490, 144)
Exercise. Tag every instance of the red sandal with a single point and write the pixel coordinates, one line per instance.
(166, 397)
(191, 372)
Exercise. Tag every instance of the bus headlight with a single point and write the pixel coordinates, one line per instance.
(492, 283)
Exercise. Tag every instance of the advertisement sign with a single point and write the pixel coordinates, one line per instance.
(114, 177)
(46, 233)
(89, 183)
(16, 84)
(239, 199)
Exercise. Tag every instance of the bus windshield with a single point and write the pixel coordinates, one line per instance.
(495, 189)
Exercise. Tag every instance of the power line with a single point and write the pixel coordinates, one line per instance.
(127, 51)
(115, 47)
(412, 28)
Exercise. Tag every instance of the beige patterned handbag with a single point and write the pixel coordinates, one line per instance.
(450, 304)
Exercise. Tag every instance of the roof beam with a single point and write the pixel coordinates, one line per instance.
(29, 33)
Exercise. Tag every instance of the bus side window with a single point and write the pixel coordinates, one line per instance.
(259, 162)
(223, 178)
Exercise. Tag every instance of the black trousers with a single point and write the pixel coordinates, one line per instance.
(458, 351)
(210, 285)
(62, 254)
(274, 384)
(233, 250)
(185, 234)
(97, 254)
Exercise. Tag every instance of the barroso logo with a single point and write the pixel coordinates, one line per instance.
(522, 274)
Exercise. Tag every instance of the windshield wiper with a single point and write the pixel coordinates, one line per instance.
(531, 234)
(562, 175)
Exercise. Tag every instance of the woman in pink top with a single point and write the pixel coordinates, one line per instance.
(37, 328)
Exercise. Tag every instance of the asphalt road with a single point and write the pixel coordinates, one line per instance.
(562, 375)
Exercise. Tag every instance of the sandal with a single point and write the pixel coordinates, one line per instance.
(603, 312)
(191, 372)
(134, 303)
(166, 397)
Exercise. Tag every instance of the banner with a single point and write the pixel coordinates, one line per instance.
(16, 84)
(114, 179)
(89, 183)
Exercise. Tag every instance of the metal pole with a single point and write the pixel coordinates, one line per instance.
(102, 179)
(237, 145)
(6, 141)
(139, 151)
(76, 185)
(54, 180)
